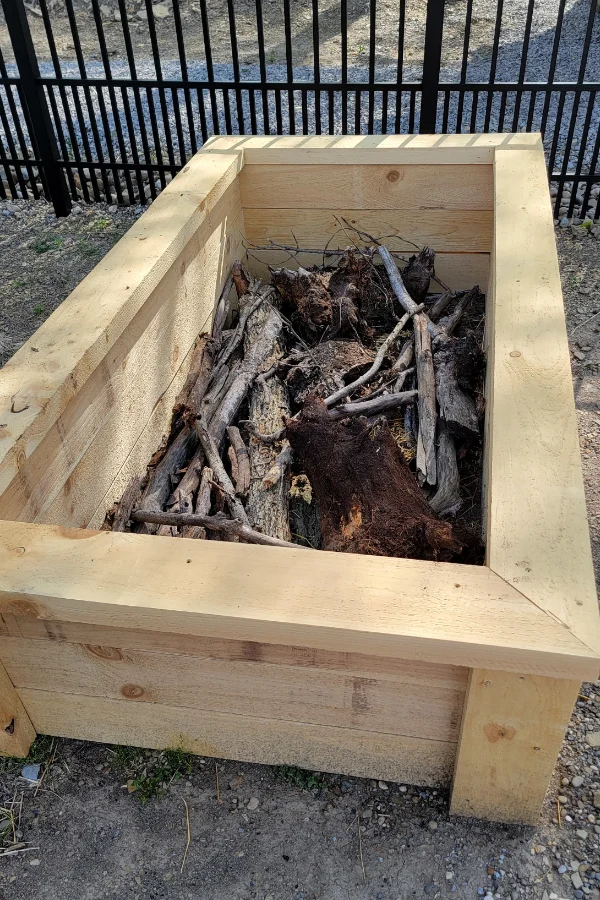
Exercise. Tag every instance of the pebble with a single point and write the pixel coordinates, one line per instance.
(432, 825)
(593, 737)
(577, 882)
(31, 772)
(578, 780)
(160, 11)
(34, 862)
(596, 799)
(382, 785)
(253, 803)
(562, 869)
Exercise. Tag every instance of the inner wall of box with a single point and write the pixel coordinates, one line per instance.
(129, 400)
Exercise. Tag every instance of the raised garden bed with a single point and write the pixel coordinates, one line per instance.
(391, 668)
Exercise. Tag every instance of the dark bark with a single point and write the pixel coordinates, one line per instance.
(369, 500)
(417, 274)
(122, 509)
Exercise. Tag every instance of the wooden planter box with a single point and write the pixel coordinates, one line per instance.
(389, 668)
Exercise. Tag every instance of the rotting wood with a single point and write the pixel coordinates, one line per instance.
(240, 451)
(123, 508)
(202, 506)
(218, 522)
(447, 500)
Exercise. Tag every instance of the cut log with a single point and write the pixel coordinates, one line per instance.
(202, 507)
(447, 500)
(370, 502)
(325, 369)
(242, 460)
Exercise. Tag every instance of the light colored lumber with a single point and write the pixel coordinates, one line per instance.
(512, 730)
(16, 731)
(537, 532)
(460, 271)
(440, 612)
(253, 688)
(264, 740)
(377, 186)
(36, 387)
(424, 149)
(459, 230)
(74, 465)
(107, 640)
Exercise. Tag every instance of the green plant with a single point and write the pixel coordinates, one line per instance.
(302, 778)
(360, 49)
(148, 773)
(38, 309)
(100, 225)
(46, 242)
(19, 282)
(87, 249)
(272, 57)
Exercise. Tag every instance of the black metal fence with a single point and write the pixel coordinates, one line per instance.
(106, 101)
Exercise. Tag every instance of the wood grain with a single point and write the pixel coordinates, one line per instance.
(325, 748)
(537, 532)
(439, 612)
(343, 185)
(253, 688)
(512, 730)
(16, 731)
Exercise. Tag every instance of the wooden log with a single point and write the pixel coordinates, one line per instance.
(447, 500)
(264, 325)
(202, 507)
(370, 501)
(217, 522)
(242, 459)
(131, 495)
(426, 463)
(457, 408)
(372, 407)
(201, 362)
(158, 490)
(214, 461)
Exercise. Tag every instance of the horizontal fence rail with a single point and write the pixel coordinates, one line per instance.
(144, 85)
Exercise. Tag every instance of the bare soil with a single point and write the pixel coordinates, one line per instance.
(263, 833)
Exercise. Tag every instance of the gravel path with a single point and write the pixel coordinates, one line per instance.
(281, 834)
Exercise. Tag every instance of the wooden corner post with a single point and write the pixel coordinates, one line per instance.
(16, 731)
(511, 734)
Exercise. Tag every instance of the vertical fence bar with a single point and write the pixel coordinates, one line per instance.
(260, 32)
(400, 66)
(42, 134)
(316, 64)
(464, 66)
(14, 112)
(344, 51)
(209, 66)
(432, 58)
(371, 94)
(493, 65)
(287, 22)
(236, 66)
(184, 75)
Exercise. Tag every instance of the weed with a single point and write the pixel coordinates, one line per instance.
(39, 752)
(301, 778)
(87, 249)
(149, 774)
(38, 309)
(360, 49)
(100, 225)
(272, 57)
(19, 282)
(46, 242)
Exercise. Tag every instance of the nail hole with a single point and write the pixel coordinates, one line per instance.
(10, 728)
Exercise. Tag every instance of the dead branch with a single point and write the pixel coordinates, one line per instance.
(214, 461)
(202, 507)
(218, 522)
(426, 466)
(371, 407)
(158, 489)
(240, 452)
(447, 500)
(126, 503)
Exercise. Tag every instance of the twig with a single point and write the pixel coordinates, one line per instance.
(272, 438)
(236, 340)
(558, 811)
(189, 837)
(19, 850)
(362, 862)
(217, 522)
(371, 407)
(377, 362)
(587, 321)
(214, 461)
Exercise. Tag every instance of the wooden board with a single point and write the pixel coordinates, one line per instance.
(412, 672)
(460, 271)
(246, 738)
(512, 730)
(439, 612)
(458, 231)
(50, 369)
(253, 688)
(16, 730)
(344, 186)
(537, 530)
(71, 469)
(422, 149)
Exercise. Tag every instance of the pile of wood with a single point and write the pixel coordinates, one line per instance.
(340, 410)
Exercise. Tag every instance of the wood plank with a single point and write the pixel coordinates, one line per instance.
(460, 271)
(412, 672)
(71, 469)
(512, 731)
(36, 388)
(459, 231)
(290, 693)
(16, 731)
(344, 186)
(538, 537)
(328, 749)
(438, 612)
(424, 149)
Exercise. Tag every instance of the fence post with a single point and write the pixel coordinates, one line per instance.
(38, 114)
(432, 57)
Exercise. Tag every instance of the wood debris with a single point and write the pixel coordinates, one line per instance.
(340, 409)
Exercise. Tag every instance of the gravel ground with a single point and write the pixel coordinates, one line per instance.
(265, 833)
(570, 146)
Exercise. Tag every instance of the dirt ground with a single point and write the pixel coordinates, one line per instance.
(108, 823)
